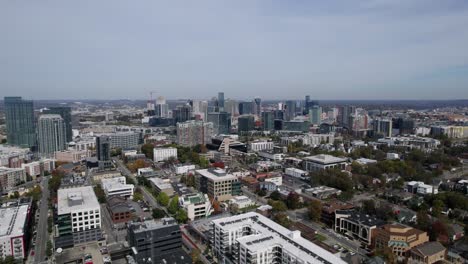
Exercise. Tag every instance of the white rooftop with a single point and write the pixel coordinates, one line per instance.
(76, 199)
(12, 220)
(116, 183)
(216, 174)
(325, 159)
(162, 184)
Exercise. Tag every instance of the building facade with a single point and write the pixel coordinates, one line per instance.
(323, 162)
(11, 177)
(51, 134)
(399, 238)
(162, 154)
(20, 125)
(217, 183)
(192, 133)
(197, 205)
(65, 113)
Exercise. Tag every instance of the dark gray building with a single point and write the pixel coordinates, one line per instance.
(20, 123)
(221, 122)
(220, 101)
(290, 112)
(103, 148)
(267, 120)
(245, 123)
(257, 106)
(182, 113)
(65, 113)
(246, 108)
(157, 242)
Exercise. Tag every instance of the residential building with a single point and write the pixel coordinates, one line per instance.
(297, 173)
(117, 187)
(217, 183)
(162, 154)
(399, 238)
(276, 179)
(12, 156)
(161, 108)
(421, 188)
(161, 185)
(344, 114)
(245, 124)
(428, 253)
(65, 113)
(296, 125)
(72, 156)
(14, 228)
(183, 169)
(119, 209)
(125, 139)
(383, 127)
(253, 238)
(11, 177)
(257, 106)
(197, 205)
(310, 139)
(103, 148)
(323, 162)
(78, 217)
(37, 168)
(357, 225)
(410, 142)
(157, 242)
(268, 120)
(450, 131)
(192, 133)
(20, 123)
(51, 134)
(261, 145)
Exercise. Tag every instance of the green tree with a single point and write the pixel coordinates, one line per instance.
(100, 194)
(315, 210)
(262, 192)
(49, 248)
(158, 213)
(137, 196)
(293, 201)
(35, 193)
(278, 206)
(422, 220)
(163, 199)
(15, 195)
(275, 195)
(173, 205)
(368, 207)
(282, 219)
(181, 216)
(4, 140)
(8, 260)
(147, 149)
(437, 207)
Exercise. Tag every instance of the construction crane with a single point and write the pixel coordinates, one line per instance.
(151, 94)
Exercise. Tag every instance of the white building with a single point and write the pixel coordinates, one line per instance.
(241, 201)
(310, 139)
(364, 161)
(420, 188)
(117, 187)
(261, 145)
(393, 156)
(297, 173)
(11, 177)
(183, 169)
(277, 179)
(253, 238)
(145, 172)
(197, 205)
(13, 226)
(323, 162)
(271, 156)
(35, 168)
(162, 154)
(12, 157)
(162, 185)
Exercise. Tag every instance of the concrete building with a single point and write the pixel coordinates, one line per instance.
(72, 156)
(271, 155)
(125, 139)
(20, 123)
(217, 183)
(357, 225)
(410, 142)
(421, 188)
(315, 115)
(11, 177)
(290, 111)
(323, 162)
(383, 127)
(322, 192)
(183, 169)
(162, 154)
(37, 168)
(192, 133)
(65, 113)
(117, 187)
(268, 121)
(14, 224)
(241, 202)
(78, 217)
(197, 205)
(51, 135)
(399, 238)
(297, 173)
(161, 185)
(12, 156)
(103, 148)
(310, 139)
(428, 253)
(157, 242)
(261, 145)
(253, 238)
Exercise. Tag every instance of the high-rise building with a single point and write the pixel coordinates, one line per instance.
(200, 108)
(245, 123)
(382, 127)
(315, 115)
(254, 238)
(257, 106)
(221, 122)
(103, 148)
(232, 107)
(15, 233)
(192, 133)
(344, 115)
(246, 108)
(267, 121)
(278, 114)
(51, 134)
(65, 113)
(290, 112)
(405, 126)
(20, 127)
(161, 108)
(182, 113)
(220, 101)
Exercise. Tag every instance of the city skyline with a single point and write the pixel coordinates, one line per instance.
(362, 50)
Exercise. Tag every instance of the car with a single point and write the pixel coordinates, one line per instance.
(33, 253)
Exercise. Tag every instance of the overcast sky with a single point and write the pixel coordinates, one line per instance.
(112, 49)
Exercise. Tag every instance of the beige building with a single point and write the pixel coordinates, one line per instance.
(217, 183)
(427, 253)
(399, 238)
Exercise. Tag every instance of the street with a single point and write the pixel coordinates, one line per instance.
(42, 233)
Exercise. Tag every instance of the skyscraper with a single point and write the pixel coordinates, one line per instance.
(20, 127)
(65, 113)
(257, 106)
(382, 127)
(315, 115)
(220, 101)
(103, 149)
(182, 113)
(245, 123)
(290, 112)
(51, 134)
(221, 122)
(246, 108)
(267, 120)
(161, 109)
(344, 115)
(193, 133)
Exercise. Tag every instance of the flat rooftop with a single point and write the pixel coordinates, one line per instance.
(13, 219)
(216, 174)
(325, 159)
(76, 199)
(160, 183)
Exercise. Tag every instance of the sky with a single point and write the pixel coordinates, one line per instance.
(334, 49)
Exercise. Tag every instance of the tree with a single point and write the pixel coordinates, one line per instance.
(368, 207)
(173, 205)
(8, 260)
(262, 192)
(147, 149)
(137, 196)
(163, 199)
(116, 152)
(4, 140)
(275, 195)
(35, 193)
(293, 201)
(195, 255)
(158, 213)
(49, 248)
(282, 219)
(278, 206)
(181, 216)
(422, 220)
(437, 207)
(315, 210)
(15, 195)
(216, 207)
(439, 232)
(100, 194)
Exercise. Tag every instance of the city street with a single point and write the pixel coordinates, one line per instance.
(42, 233)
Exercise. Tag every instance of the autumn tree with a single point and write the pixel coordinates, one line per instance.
(315, 210)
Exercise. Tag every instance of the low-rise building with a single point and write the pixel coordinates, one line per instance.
(217, 183)
(161, 185)
(117, 187)
(323, 162)
(197, 205)
(72, 155)
(399, 238)
(11, 177)
(322, 192)
(357, 225)
(241, 202)
(261, 145)
(183, 169)
(14, 224)
(119, 209)
(162, 154)
(36, 168)
(146, 172)
(420, 188)
(297, 173)
(328, 211)
(428, 253)
(271, 155)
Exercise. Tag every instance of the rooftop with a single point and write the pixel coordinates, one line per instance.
(195, 198)
(216, 174)
(365, 219)
(152, 224)
(12, 219)
(429, 248)
(325, 159)
(76, 199)
(160, 183)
